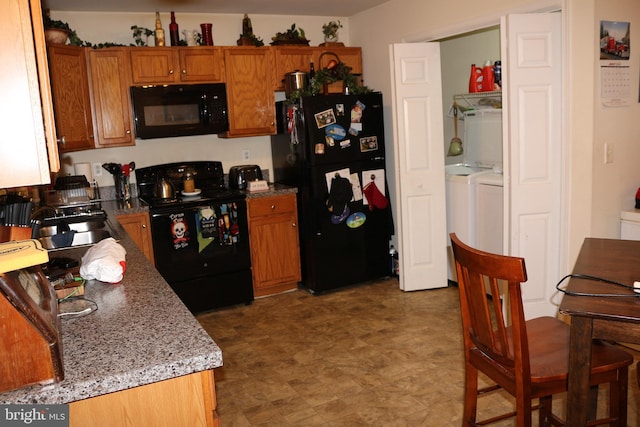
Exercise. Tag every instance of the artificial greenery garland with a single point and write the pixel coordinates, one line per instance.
(340, 72)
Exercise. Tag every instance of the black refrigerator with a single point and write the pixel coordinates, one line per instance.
(331, 147)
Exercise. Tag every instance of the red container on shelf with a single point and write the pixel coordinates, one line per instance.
(475, 79)
(487, 77)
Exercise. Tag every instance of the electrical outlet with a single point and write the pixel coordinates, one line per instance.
(608, 153)
(246, 155)
(96, 169)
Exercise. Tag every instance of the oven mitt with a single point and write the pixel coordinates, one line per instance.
(341, 193)
(104, 261)
(375, 198)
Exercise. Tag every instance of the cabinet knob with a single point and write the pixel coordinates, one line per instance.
(144, 225)
(128, 131)
(62, 141)
(294, 225)
(170, 72)
(273, 207)
(184, 71)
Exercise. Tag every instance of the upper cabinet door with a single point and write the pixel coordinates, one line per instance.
(201, 64)
(249, 78)
(167, 65)
(110, 81)
(154, 65)
(71, 100)
(25, 109)
(292, 58)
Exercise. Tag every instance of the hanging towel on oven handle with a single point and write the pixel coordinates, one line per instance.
(207, 226)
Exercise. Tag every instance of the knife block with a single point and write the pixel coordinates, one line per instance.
(31, 350)
(9, 233)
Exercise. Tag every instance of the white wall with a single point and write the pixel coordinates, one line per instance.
(615, 184)
(116, 28)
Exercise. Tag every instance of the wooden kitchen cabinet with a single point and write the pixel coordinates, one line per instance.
(292, 58)
(110, 79)
(71, 97)
(138, 226)
(189, 400)
(29, 149)
(250, 95)
(275, 248)
(193, 64)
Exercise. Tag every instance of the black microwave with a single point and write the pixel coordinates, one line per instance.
(179, 110)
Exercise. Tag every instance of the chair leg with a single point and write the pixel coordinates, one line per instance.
(544, 413)
(470, 395)
(618, 397)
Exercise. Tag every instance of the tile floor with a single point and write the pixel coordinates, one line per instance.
(369, 355)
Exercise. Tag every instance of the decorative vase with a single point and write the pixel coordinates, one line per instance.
(207, 34)
(331, 38)
(56, 35)
(191, 37)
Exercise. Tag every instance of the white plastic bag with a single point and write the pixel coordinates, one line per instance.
(104, 261)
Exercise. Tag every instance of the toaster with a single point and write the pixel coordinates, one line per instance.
(240, 175)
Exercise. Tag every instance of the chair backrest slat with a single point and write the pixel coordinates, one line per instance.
(480, 275)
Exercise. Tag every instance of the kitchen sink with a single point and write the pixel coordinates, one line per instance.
(82, 238)
(62, 233)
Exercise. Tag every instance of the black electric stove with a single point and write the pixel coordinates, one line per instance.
(201, 238)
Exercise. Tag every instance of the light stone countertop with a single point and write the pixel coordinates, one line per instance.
(141, 333)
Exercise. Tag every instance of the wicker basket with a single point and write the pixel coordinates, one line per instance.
(335, 87)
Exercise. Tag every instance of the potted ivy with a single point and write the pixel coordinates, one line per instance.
(58, 32)
(330, 31)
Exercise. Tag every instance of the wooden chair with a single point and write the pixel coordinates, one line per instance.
(529, 359)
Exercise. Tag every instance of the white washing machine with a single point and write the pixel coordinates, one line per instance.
(489, 221)
(482, 155)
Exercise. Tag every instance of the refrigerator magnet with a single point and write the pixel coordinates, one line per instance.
(319, 148)
(340, 110)
(369, 143)
(329, 141)
(356, 112)
(356, 219)
(325, 118)
(335, 131)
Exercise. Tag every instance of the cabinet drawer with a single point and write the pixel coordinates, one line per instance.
(272, 205)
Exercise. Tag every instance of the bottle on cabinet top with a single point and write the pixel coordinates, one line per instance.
(159, 31)
(174, 34)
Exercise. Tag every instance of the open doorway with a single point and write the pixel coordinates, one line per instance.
(474, 192)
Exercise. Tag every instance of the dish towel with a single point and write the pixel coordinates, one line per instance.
(207, 226)
(179, 231)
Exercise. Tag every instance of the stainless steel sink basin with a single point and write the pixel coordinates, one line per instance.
(61, 234)
(60, 241)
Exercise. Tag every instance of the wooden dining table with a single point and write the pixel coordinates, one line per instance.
(605, 311)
